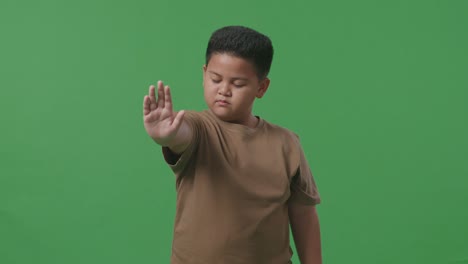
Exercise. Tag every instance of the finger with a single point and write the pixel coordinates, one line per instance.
(168, 98)
(146, 105)
(152, 98)
(160, 101)
(151, 93)
(178, 120)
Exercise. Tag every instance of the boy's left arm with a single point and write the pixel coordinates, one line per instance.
(306, 232)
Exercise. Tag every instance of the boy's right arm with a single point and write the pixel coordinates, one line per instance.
(164, 126)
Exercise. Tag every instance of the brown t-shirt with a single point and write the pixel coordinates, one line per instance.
(234, 184)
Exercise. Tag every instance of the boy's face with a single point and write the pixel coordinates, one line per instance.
(230, 86)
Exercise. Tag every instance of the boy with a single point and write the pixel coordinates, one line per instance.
(241, 181)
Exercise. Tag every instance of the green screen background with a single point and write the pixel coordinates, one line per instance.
(377, 91)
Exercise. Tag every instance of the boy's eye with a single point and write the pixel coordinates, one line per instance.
(239, 85)
(215, 80)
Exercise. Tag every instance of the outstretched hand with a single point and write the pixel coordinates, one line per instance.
(161, 123)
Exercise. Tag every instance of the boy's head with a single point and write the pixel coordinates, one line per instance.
(245, 43)
(238, 61)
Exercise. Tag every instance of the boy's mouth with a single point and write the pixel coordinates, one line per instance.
(222, 102)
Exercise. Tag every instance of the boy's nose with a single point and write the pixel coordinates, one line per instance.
(224, 90)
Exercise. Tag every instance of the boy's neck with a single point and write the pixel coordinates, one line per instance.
(251, 122)
(254, 121)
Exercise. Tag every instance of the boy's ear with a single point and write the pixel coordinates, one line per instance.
(263, 87)
(204, 72)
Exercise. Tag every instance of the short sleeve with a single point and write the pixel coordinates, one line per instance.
(177, 163)
(303, 188)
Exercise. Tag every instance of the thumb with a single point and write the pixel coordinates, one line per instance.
(178, 120)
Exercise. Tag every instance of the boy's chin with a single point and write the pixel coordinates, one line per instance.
(221, 114)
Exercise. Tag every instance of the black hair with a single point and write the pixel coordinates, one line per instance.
(245, 43)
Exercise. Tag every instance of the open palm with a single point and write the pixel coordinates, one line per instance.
(161, 123)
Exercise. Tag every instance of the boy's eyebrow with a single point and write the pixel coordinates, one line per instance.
(235, 78)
